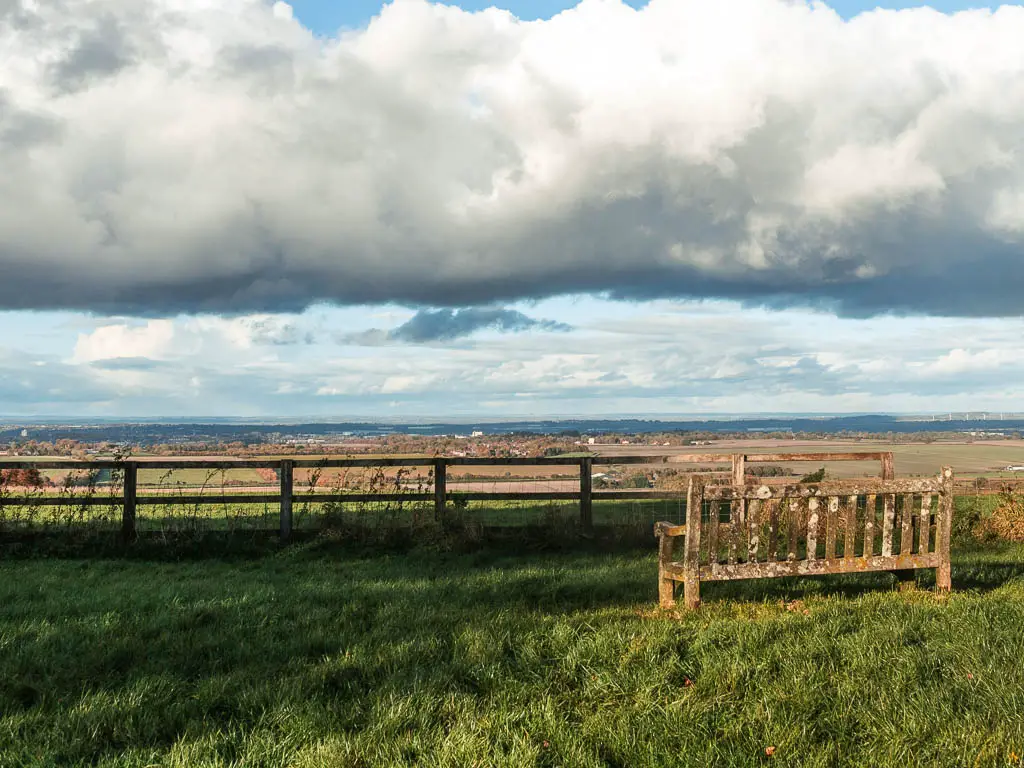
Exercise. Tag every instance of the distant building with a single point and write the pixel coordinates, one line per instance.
(590, 441)
(24, 433)
(478, 433)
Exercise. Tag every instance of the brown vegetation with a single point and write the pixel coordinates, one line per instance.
(1006, 521)
(22, 478)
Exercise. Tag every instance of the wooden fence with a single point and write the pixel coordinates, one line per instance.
(806, 529)
(130, 499)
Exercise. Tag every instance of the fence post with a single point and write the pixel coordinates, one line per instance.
(739, 468)
(888, 469)
(586, 491)
(943, 577)
(131, 484)
(287, 476)
(691, 553)
(440, 487)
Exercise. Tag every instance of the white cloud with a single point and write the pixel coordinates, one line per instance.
(153, 340)
(166, 155)
(958, 361)
(246, 338)
(282, 11)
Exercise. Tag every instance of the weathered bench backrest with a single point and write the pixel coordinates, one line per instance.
(759, 531)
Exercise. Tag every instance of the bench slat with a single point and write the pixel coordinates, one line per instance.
(714, 523)
(888, 521)
(826, 488)
(734, 531)
(754, 530)
(795, 508)
(850, 544)
(831, 524)
(925, 526)
(818, 567)
(907, 532)
(869, 525)
(812, 528)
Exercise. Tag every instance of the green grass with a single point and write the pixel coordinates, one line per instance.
(212, 516)
(309, 657)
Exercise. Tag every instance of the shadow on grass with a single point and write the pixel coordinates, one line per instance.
(107, 654)
(453, 551)
(253, 544)
(218, 644)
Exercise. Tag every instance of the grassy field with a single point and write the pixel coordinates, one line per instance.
(313, 658)
(630, 518)
(309, 515)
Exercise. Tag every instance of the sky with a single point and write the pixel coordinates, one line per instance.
(342, 210)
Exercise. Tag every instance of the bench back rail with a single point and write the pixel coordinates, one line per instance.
(761, 531)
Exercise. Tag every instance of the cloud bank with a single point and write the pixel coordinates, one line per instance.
(165, 156)
(653, 358)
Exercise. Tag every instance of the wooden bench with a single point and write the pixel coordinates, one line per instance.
(760, 531)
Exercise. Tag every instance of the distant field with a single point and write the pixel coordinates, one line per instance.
(197, 477)
(967, 459)
(169, 478)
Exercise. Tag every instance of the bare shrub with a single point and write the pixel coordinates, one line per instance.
(1006, 521)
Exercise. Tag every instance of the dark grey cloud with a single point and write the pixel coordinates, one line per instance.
(440, 159)
(448, 324)
(100, 51)
(130, 364)
(21, 129)
(428, 326)
(13, 12)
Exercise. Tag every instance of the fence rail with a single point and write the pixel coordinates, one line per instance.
(129, 500)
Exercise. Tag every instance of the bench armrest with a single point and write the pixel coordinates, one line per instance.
(669, 529)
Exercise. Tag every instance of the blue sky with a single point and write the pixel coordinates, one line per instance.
(326, 17)
(732, 207)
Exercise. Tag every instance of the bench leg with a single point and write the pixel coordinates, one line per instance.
(666, 585)
(907, 579)
(667, 592)
(691, 592)
(943, 577)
